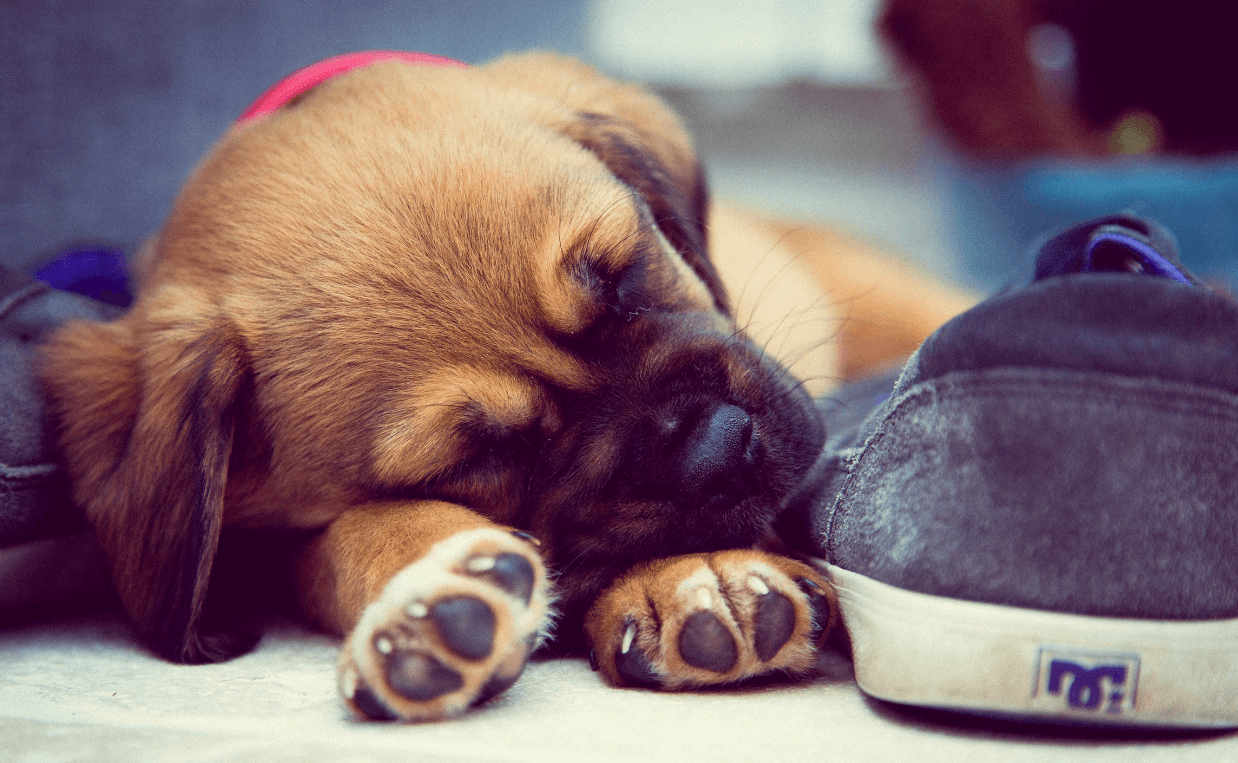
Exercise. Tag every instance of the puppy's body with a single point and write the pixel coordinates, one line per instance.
(426, 313)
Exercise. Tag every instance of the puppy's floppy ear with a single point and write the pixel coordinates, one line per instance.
(639, 139)
(678, 200)
(147, 432)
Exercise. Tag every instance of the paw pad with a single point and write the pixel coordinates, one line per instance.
(450, 630)
(508, 572)
(419, 676)
(710, 619)
(706, 643)
(364, 699)
(465, 624)
(773, 622)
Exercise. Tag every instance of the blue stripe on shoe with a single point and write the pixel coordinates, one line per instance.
(1113, 248)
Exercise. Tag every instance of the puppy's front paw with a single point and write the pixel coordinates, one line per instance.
(451, 630)
(707, 619)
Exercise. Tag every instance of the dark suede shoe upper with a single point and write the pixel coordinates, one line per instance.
(34, 496)
(1070, 445)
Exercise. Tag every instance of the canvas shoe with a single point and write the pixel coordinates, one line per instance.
(1039, 516)
(47, 555)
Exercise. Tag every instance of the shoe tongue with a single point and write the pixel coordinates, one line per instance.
(1109, 297)
(1115, 244)
(1117, 249)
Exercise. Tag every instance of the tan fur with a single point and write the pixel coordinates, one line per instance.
(373, 313)
(881, 308)
(347, 566)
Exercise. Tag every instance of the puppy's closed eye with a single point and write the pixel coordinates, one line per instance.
(618, 293)
(642, 274)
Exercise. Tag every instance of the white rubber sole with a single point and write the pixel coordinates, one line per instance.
(939, 652)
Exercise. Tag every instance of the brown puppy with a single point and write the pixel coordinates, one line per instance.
(461, 325)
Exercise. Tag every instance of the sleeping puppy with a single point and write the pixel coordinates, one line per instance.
(462, 327)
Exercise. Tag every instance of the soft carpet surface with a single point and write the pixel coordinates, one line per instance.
(81, 689)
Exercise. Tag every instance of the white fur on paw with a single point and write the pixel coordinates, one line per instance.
(449, 631)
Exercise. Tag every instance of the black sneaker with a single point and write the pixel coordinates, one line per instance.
(47, 555)
(1039, 517)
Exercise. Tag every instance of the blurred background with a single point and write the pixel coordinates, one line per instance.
(799, 109)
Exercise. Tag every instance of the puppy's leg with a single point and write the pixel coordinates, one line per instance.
(441, 607)
(706, 619)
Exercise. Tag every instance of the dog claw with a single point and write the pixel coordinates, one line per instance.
(757, 585)
(703, 599)
(466, 625)
(479, 564)
(514, 574)
(706, 643)
(511, 573)
(524, 536)
(820, 605)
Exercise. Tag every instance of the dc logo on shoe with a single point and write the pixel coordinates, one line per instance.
(1083, 681)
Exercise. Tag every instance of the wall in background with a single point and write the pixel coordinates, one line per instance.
(738, 43)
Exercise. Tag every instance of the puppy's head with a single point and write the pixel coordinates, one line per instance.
(487, 286)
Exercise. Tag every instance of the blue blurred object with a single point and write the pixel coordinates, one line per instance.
(93, 271)
(1000, 210)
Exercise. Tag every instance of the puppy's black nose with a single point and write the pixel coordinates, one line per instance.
(714, 458)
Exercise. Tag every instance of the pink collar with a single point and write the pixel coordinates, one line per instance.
(315, 74)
